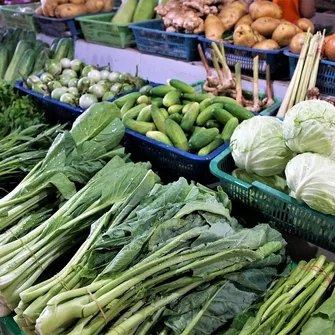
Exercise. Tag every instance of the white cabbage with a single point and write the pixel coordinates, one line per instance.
(258, 146)
(309, 126)
(311, 177)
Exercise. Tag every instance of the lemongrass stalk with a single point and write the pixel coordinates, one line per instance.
(223, 60)
(136, 319)
(239, 97)
(255, 75)
(269, 93)
(310, 303)
(305, 77)
(291, 92)
(145, 327)
(204, 61)
(217, 67)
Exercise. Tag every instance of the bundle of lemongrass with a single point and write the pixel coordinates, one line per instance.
(305, 74)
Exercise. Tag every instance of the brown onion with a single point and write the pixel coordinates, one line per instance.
(297, 43)
(329, 49)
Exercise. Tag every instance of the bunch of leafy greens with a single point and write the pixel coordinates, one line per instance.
(71, 162)
(289, 304)
(170, 262)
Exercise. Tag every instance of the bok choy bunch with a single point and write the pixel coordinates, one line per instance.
(164, 265)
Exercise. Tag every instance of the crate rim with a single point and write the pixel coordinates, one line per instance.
(322, 61)
(88, 18)
(139, 26)
(239, 47)
(217, 172)
(60, 19)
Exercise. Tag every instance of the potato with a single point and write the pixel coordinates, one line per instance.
(94, 6)
(265, 25)
(108, 5)
(229, 16)
(305, 24)
(265, 8)
(244, 36)
(244, 19)
(284, 33)
(70, 9)
(49, 7)
(266, 45)
(258, 36)
(241, 5)
(213, 28)
(39, 11)
(77, 2)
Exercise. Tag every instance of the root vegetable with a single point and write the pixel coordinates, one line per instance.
(230, 15)
(267, 45)
(284, 33)
(49, 7)
(240, 5)
(329, 49)
(77, 2)
(94, 6)
(213, 28)
(265, 25)
(258, 37)
(246, 19)
(305, 24)
(108, 5)
(297, 43)
(244, 36)
(68, 10)
(265, 8)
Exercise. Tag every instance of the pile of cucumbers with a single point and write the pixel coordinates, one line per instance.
(177, 116)
(21, 54)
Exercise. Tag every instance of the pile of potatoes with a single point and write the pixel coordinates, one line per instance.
(68, 8)
(262, 28)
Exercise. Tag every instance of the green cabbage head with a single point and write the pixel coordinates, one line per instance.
(309, 126)
(311, 177)
(258, 146)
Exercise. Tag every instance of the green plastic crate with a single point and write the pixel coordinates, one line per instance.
(99, 29)
(283, 211)
(198, 86)
(11, 325)
(14, 18)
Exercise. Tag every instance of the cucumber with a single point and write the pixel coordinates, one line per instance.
(62, 49)
(171, 98)
(4, 61)
(223, 100)
(40, 61)
(158, 118)
(133, 112)
(145, 114)
(213, 124)
(186, 102)
(159, 136)
(207, 113)
(11, 73)
(11, 46)
(238, 111)
(180, 85)
(143, 99)
(31, 36)
(186, 107)
(55, 42)
(39, 45)
(222, 115)
(157, 101)
(175, 109)
(204, 104)
(70, 52)
(125, 13)
(202, 138)
(190, 116)
(164, 112)
(26, 64)
(121, 101)
(139, 126)
(128, 105)
(145, 10)
(197, 97)
(229, 129)
(161, 91)
(145, 90)
(211, 146)
(176, 117)
(176, 135)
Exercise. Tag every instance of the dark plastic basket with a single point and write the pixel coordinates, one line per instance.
(55, 27)
(285, 213)
(325, 80)
(151, 38)
(16, 19)
(99, 29)
(235, 53)
(11, 325)
(270, 111)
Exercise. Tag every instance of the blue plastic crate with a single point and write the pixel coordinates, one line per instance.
(235, 53)
(152, 39)
(325, 80)
(11, 325)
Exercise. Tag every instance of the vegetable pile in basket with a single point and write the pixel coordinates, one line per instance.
(21, 54)
(177, 116)
(302, 145)
(77, 84)
(25, 136)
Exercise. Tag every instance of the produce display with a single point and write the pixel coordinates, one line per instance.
(302, 146)
(260, 26)
(78, 84)
(21, 54)
(177, 116)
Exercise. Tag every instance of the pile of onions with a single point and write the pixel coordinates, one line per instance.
(329, 47)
